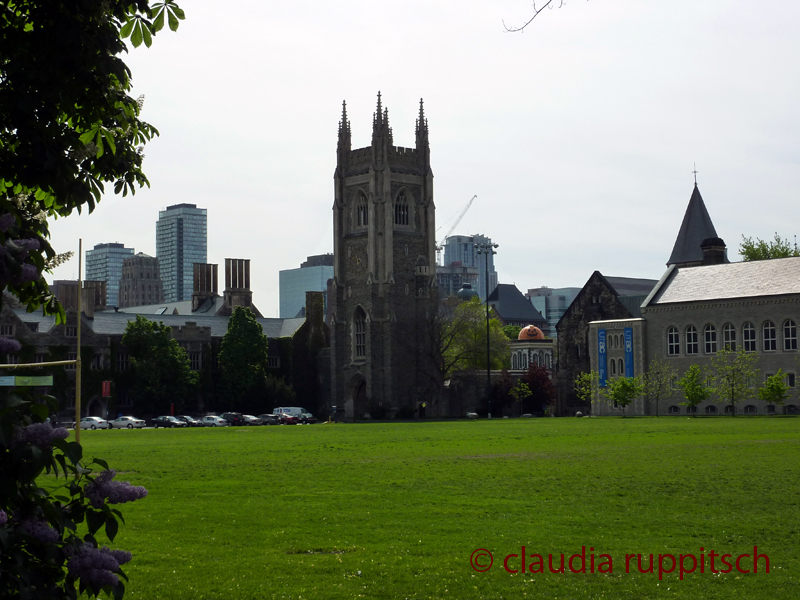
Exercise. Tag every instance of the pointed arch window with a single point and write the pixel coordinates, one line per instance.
(360, 334)
(362, 212)
(401, 210)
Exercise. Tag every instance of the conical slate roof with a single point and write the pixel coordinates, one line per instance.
(696, 227)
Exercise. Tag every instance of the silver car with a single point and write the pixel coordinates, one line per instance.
(126, 422)
(93, 423)
(212, 421)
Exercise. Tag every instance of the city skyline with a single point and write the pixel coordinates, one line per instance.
(579, 137)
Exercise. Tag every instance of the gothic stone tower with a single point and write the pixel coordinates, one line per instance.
(384, 272)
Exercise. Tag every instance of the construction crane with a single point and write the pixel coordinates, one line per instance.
(452, 228)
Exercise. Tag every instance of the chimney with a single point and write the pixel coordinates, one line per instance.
(237, 285)
(713, 251)
(204, 284)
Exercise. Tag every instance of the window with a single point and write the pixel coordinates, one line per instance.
(674, 410)
(273, 362)
(34, 327)
(691, 410)
(750, 409)
(524, 361)
(535, 360)
(770, 410)
(730, 410)
(71, 356)
(770, 343)
(360, 338)
(7, 330)
(621, 367)
(122, 361)
(401, 210)
(514, 361)
(196, 360)
(729, 337)
(710, 339)
(12, 359)
(673, 341)
(613, 367)
(749, 337)
(691, 340)
(710, 410)
(362, 214)
(790, 379)
(789, 335)
(71, 331)
(123, 399)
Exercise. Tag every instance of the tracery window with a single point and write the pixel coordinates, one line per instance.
(362, 212)
(401, 210)
(360, 334)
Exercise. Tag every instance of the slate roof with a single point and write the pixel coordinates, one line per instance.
(696, 227)
(184, 307)
(512, 305)
(776, 277)
(114, 323)
(631, 286)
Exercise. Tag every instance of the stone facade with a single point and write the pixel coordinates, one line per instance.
(141, 281)
(384, 272)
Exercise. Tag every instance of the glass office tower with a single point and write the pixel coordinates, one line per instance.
(181, 241)
(104, 263)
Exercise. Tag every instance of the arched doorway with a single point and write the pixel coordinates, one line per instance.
(356, 402)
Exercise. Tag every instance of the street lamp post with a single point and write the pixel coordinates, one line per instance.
(487, 250)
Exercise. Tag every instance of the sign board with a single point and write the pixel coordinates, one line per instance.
(8, 381)
(46, 380)
(628, 352)
(601, 357)
(106, 389)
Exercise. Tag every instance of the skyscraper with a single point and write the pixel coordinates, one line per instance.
(463, 265)
(312, 276)
(104, 263)
(181, 241)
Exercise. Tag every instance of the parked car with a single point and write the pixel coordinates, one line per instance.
(251, 420)
(269, 419)
(167, 421)
(288, 419)
(234, 418)
(214, 421)
(126, 422)
(93, 423)
(190, 422)
(308, 418)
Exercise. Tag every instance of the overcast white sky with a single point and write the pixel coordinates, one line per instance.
(578, 136)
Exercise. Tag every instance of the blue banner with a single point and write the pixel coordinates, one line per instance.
(628, 352)
(601, 357)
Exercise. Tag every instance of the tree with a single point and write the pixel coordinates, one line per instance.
(161, 367)
(775, 390)
(734, 375)
(520, 393)
(536, 10)
(657, 381)
(620, 391)
(512, 331)
(67, 123)
(694, 386)
(242, 362)
(586, 386)
(543, 392)
(759, 249)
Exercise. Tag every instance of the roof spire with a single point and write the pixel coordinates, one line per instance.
(344, 124)
(695, 174)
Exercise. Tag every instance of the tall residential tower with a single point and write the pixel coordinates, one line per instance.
(181, 241)
(104, 263)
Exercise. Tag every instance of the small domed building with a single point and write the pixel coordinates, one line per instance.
(532, 348)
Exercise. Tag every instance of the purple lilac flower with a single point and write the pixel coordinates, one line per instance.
(9, 345)
(29, 273)
(96, 566)
(40, 434)
(3, 517)
(117, 492)
(6, 221)
(41, 530)
(27, 244)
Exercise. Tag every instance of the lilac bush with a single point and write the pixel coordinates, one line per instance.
(48, 548)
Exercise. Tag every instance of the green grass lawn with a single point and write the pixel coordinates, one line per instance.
(396, 510)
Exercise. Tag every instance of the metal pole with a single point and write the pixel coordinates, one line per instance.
(78, 356)
(488, 364)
